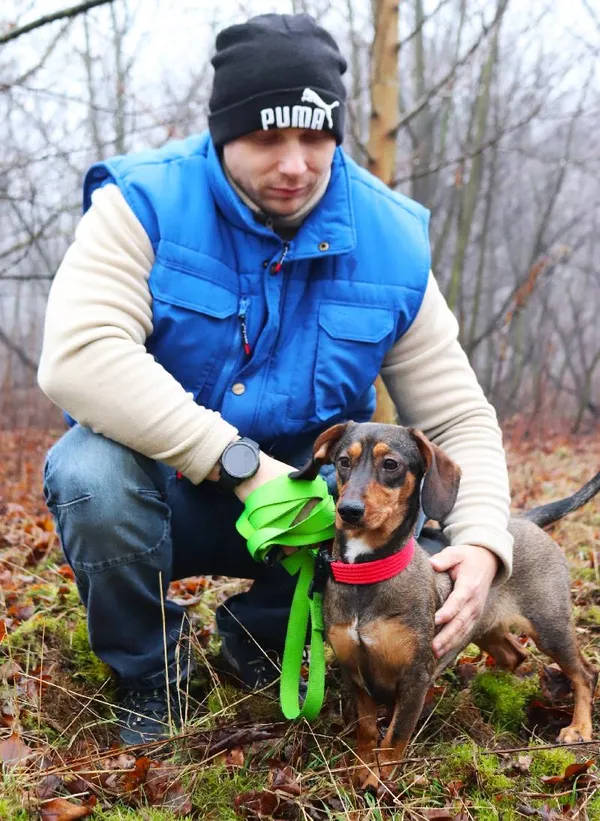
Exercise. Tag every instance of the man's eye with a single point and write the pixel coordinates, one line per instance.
(344, 462)
(390, 464)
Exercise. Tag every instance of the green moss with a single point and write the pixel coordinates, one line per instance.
(479, 771)
(86, 663)
(9, 812)
(67, 635)
(593, 806)
(215, 790)
(591, 614)
(585, 574)
(551, 762)
(14, 800)
(222, 700)
(30, 721)
(147, 813)
(485, 810)
(29, 635)
(504, 698)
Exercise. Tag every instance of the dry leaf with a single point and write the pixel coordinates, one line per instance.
(257, 803)
(232, 758)
(284, 779)
(59, 809)
(13, 749)
(164, 789)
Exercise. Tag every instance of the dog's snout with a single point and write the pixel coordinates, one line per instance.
(351, 512)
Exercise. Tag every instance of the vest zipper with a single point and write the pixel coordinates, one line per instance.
(243, 328)
(221, 385)
(278, 265)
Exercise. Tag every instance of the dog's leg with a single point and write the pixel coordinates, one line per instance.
(410, 697)
(365, 776)
(504, 648)
(344, 640)
(562, 647)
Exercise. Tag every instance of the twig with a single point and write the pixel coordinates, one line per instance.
(73, 11)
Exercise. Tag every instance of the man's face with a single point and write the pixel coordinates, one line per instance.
(280, 169)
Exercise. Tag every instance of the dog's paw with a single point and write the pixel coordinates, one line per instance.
(365, 778)
(370, 783)
(572, 734)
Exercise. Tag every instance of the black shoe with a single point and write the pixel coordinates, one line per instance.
(250, 665)
(144, 714)
(242, 658)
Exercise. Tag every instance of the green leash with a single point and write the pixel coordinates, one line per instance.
(267, 522)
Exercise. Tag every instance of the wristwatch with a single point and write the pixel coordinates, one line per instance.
(239, 461)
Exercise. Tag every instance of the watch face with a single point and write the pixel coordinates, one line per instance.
(240, 460)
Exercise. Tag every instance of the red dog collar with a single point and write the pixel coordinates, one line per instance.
(377, 571)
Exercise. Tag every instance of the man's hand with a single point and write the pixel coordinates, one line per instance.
(472, 569)
(269, 469)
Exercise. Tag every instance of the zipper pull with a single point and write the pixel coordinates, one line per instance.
(243, 327)
(277, 266)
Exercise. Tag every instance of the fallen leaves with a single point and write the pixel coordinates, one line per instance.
(60, 809)
(13, 750)
(62, 788)
(571, 772)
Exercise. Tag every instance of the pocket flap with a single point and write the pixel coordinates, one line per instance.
(358, 323)
(177, 287)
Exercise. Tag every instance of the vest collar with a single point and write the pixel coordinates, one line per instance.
(329, 228)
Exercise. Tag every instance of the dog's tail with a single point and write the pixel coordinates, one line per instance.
(546, 514)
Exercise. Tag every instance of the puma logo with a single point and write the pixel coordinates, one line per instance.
(300, 116)
(310, 96)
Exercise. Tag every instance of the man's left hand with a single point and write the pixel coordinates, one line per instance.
(472, 568)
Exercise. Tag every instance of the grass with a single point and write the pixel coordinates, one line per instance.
(465, 757)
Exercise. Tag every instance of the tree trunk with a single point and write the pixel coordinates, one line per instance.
(385, 114)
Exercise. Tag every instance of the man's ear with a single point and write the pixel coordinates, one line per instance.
(442, 478)
(322, 452)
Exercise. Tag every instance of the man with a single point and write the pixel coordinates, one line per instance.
(251, 283)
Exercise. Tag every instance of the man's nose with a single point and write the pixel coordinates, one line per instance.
(292, 163)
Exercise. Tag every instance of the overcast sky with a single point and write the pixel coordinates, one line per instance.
(180, 33)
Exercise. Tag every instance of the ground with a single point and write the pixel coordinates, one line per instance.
(484, 748)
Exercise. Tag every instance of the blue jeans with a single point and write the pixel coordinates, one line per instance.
(128, 527)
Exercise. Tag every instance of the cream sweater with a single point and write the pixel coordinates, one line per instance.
(94, 365)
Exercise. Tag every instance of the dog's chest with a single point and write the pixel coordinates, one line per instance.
(375, 653)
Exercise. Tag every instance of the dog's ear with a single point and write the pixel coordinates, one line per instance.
(442, 478)
(322, 452)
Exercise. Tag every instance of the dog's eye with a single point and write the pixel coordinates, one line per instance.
(390, 464)
(343, 462)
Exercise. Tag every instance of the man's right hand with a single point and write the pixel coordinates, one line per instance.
(269, 469)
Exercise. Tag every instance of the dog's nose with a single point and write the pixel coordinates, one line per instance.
(351, 512)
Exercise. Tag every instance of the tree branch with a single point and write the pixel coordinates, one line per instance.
(73, 11)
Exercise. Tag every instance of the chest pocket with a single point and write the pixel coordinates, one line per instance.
(352, 342)
(195, 326)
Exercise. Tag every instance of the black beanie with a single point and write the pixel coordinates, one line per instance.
(276, 71)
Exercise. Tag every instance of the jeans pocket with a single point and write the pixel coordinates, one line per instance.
(97, 534)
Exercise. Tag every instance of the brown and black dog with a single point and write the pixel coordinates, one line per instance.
(382, 633)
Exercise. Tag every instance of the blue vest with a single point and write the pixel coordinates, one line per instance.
(317, 326)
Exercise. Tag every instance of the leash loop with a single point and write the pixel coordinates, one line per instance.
(267, 523)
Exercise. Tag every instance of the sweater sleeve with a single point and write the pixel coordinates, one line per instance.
(434, 389)
(94, 363)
